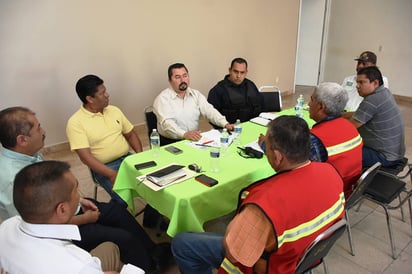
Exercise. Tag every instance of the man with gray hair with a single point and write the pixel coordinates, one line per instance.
(334, 139)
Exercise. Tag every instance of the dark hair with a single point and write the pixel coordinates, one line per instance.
(87, 86)
(238, 60)
(14, 121)
(175, 66)
(290, 135)
(372, 73)
(39, 188)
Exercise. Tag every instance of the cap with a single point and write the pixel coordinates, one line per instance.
(367, 56)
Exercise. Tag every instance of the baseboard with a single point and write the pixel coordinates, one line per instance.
(403, 99)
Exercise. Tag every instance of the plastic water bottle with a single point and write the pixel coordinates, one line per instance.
(238, 131)
(299, 106)
(214, 158)
(155, 142)
(224, 141)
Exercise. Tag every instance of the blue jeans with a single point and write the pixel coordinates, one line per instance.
(371, 156)
(105, 181)
(198, 252)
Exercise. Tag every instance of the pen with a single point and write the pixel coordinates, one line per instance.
(207, 142)
(202, 145)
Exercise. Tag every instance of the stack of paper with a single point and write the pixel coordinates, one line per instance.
(264, 118)
(212, 138)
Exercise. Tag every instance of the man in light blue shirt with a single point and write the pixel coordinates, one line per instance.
(21, 144)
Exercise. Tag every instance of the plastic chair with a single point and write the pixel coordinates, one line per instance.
(383, 190)
(151, 123)
(357, 195)
(272, 101)
(316, 252)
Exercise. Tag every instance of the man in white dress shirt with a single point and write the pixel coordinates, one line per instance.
(179, 107)
(365, 59)
(46, 196)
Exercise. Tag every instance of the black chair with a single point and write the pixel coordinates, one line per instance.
(357, 195)
(272, 101)
(151, 123)
(383, 190)
(316, 252)
(96, 184)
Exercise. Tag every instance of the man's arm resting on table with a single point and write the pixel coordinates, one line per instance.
(349, 117)
(133, 141)
(89, 160)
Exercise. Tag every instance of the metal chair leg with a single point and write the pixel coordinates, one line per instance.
(402, 215)
(325, 266)
(389, 223)
(349, 230)
(95, 191)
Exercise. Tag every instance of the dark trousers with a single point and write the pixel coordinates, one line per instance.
(117, 225)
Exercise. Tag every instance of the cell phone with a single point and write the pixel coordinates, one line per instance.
(174, 150)
(145, 165)
(206, 180)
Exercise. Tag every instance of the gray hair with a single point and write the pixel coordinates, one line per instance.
(333, 96)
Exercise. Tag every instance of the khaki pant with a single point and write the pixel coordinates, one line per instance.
(109, 256)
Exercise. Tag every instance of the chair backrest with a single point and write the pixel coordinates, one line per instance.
(151, 120)
(272, 101)
(151, 123)
(320, 247)
(362, 184)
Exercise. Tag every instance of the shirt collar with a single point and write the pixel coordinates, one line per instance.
(91, 114)
(37, 157)
(52, 231)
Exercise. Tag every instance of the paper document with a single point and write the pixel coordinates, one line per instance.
(255, 145)
(264, 118)
(212, 138)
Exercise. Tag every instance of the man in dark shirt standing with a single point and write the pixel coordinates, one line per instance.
(236, 97)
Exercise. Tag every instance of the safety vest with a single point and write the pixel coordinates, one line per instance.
(344, 146)
(300, 204)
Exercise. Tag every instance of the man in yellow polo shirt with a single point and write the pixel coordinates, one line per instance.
(100, 133)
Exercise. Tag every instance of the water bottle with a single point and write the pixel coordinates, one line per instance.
(214, 158)
(238, 131)
(155, 142)
(299, 106)
(224, 141)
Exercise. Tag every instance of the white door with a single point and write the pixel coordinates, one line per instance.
(310, 37)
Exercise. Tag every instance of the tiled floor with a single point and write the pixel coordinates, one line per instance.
(370, 234)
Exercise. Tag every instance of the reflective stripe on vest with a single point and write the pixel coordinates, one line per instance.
(343, 147)
(313, 225)
(229, 267)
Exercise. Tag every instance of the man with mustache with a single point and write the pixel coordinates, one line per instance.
(179, 107)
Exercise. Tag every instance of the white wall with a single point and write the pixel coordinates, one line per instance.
(381, 26)
(47, 45)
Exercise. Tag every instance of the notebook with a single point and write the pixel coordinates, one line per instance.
(166, 175)
(264, 118)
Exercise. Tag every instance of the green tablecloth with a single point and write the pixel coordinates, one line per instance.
(189, 204)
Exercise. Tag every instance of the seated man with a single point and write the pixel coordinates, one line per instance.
(236, 97)
(179, 107)
(333, 138)
(277, 217)
(365, 59)
(100, 133)
(379, 121)
(46, 197)
(22, 137)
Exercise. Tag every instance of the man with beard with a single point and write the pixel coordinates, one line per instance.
(179, 107)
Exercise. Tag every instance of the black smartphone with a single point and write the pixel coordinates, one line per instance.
(206, 180)
(145, 165)
(174, 150)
